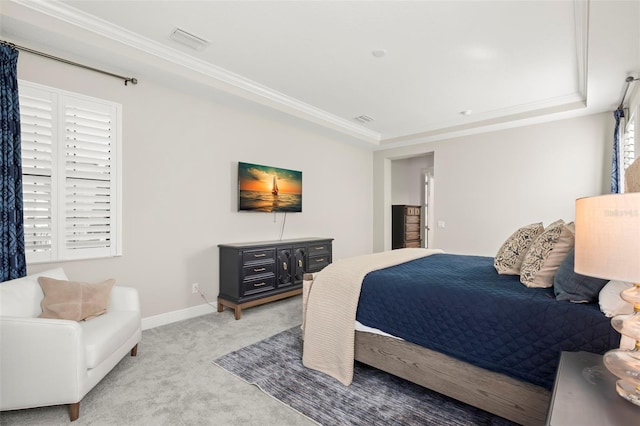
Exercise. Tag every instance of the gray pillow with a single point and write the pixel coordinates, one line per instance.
(577, 288)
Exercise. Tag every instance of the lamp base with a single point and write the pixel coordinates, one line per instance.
(628, 391)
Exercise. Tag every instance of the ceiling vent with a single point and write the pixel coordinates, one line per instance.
(364, 119)
(188, 39)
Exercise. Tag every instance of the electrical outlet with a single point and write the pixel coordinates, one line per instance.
(195, 287)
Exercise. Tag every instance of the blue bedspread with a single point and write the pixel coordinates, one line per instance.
(459, 305)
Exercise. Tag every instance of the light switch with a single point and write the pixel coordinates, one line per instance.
(441, 224)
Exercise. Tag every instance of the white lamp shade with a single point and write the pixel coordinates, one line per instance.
(607, 243)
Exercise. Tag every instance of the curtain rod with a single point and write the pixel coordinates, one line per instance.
(127, 80)
(627, 80)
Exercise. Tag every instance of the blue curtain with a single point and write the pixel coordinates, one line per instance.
(616, 179)
(12, 254)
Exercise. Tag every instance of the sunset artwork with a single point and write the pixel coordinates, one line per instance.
(269, 189)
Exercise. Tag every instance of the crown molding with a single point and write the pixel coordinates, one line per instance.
(569, 110)
(247, 88)
(581, 21)
(497, 119)
(230, 82)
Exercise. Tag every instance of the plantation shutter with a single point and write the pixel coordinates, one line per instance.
(628, 150)
(38, 128)
(70, 175)
(88, 178)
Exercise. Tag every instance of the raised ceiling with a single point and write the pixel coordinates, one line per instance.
(440, 67)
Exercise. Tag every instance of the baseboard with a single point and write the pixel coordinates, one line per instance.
(174, 316)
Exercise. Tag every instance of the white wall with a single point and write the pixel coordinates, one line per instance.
(407, 181)
(180, 154)
(490, 184)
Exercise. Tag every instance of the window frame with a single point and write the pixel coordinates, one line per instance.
(61, 249)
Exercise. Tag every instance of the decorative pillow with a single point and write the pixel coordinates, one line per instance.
(574, 287)
(611, 304)
(545, 255)
(73, 300)
(510, 256)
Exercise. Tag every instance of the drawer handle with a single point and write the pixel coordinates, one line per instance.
(260, 255)
(259, 269)
(320, 248)
(260, 285)
(320, 260)
(300, 263)
(284, 265)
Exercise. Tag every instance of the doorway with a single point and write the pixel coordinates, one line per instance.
(412, 183)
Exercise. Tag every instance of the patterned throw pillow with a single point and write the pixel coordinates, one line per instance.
(510, 256)
(546, 254)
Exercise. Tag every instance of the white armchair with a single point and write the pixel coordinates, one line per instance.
(52, 362)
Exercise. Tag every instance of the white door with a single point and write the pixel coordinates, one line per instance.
(427, 209)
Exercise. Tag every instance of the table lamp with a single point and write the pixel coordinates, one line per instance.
(607, 245)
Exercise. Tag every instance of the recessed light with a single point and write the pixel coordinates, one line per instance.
(188, 39)
(379, 53)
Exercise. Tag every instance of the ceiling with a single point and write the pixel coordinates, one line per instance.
(444, 68)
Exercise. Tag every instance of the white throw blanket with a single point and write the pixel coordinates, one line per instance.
(329, 333)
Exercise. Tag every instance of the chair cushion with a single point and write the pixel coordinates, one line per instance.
(21, 297)
(72, 300)
(106, 333)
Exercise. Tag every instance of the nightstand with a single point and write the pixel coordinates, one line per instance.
(585, 394)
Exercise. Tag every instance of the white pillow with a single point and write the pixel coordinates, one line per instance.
(611, 304)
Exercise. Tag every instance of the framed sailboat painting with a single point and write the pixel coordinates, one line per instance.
(269, 189)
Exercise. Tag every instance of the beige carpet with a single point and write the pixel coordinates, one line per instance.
(172, 381)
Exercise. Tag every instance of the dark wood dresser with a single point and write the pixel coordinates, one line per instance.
(252, 274)
(405, 226)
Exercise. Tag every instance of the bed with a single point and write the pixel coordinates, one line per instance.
(452, 324)
(462, 325)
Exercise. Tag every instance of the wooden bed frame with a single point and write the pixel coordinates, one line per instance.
(496, 393)
(516, 400)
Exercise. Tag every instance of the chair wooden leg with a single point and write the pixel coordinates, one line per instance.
(134, 350)
(74, 411)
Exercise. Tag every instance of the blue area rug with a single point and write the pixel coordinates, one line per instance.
(374, 397)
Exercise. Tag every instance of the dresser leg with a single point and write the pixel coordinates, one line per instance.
(220, 306)
(238, 312)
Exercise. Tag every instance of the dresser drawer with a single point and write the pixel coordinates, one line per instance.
(316, 263)
(260, 255)
(413, 244)
(410, 236)
(319, 249)
(259, 270)
(412, 219)
(413, 227)
(258, 285)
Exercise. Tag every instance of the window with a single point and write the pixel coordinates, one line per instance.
(71, 174)
(628, 145)
(628, 151)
